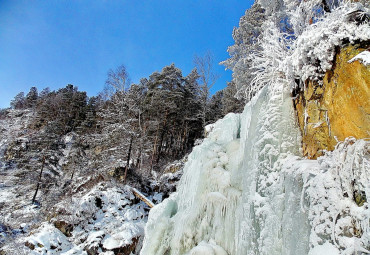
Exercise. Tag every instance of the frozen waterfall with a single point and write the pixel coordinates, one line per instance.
(247, 190)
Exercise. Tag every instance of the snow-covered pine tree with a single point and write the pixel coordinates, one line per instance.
(19, 101)
(246, 38)
(31, 98)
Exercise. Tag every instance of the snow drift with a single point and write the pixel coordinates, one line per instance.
(247, 190)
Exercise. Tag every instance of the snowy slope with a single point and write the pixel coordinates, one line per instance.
(89, 214)
(106, 220)
(15, 207)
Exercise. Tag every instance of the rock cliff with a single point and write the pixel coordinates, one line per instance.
(338, 108)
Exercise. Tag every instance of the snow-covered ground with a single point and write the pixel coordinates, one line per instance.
(106, 220)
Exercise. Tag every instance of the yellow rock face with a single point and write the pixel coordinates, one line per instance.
(337, 109)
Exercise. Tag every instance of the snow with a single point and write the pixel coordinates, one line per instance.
(307, 51)
(363, 57)
(207, 249)
(117, 220)
(103, 219)
(327, 249)
(75, 251)
(314, 49)
(113, 242)
(95, 236)
(122, 236)
(142, 196)
(208, 129)
(49, 240)
(6, 195)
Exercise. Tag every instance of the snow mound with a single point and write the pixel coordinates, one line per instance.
(326, 248)
(48, 240)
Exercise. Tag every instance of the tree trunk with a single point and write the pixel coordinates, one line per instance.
(128, 160)
(137, 164)
(160, 144)
(154, 148)
(184, 141)
(39, 181)
(161, 140)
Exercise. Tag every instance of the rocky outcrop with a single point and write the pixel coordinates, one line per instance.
(64, 227)
(338, 108)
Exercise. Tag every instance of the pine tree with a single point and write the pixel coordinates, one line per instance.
(19, 101)
(215, 107)
(229, 102)
(246, 38)
(31, 98)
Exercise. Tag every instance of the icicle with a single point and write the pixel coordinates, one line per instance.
(328, 122)
(305, 121)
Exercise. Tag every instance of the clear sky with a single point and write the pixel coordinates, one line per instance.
(58, 42)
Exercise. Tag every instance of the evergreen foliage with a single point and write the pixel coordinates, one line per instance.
(19, 101)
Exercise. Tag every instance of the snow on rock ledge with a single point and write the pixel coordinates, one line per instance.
(48, 240)
(363, 57)
(106, 220)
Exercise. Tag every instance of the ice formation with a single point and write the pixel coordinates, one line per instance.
(247, 190)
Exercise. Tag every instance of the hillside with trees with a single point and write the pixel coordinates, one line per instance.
(57, 146)
(148, 124)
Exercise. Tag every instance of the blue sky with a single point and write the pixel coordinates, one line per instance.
(57, 42)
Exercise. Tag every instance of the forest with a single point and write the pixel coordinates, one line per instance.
(148, 124)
